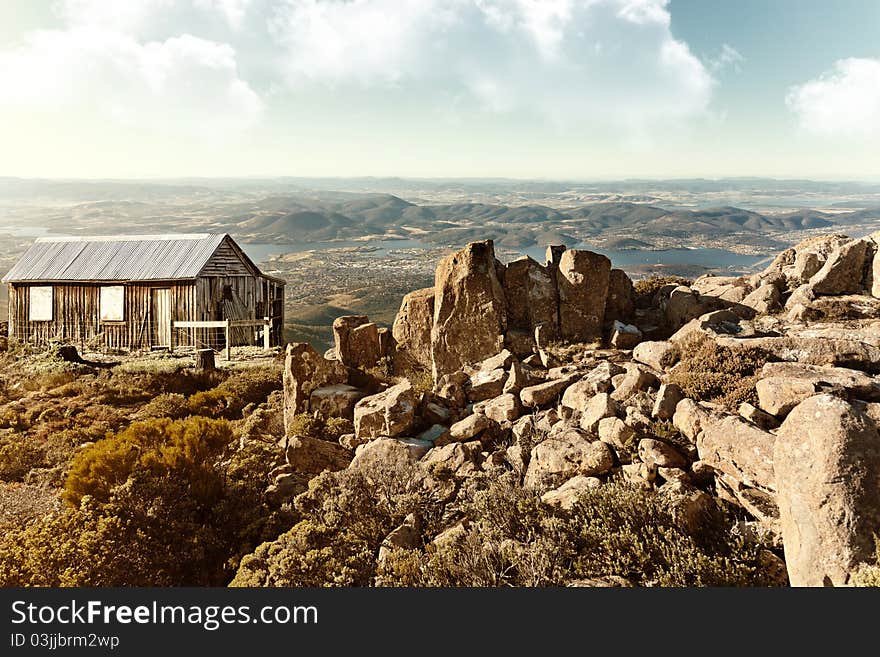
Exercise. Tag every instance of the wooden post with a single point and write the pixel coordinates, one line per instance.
(171, 336)
(205, 360)
(228, 347)
(267, 329)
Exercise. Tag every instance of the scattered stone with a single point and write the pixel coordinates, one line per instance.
(470, 427)
(505, 408)
(739, 449)
(389, 454)
(544, 393)
(661, 454)
(486, 384)
(778, 395)
(390, 413)
(405, 537)
(616, 433)
(667, 400)
(313, 455)
(517, 379)
(599, 407)
(758, 417)
(636, 380)
(568, 493)
(625, 336)
(657, 355)
(436, 414)
(689, 418)
(559, 459)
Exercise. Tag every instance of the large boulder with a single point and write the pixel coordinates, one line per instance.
(578, 395)
(582, 281)
(389, 454)
(785, 385)
(305, 370)
(544, 393)
(827, 470)
(531, 295)
(621, 302)
(568, 493)
(741, 454)
(558, 459)
(357, 341)
(390, 413)
(469, 309)
(412, 326)
(659, 355)
(843, 272)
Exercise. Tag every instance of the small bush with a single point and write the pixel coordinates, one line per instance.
(868, 575)
(19, 454)
(171, 405)
(242, 388)
(648, 287)
(616, 529)
(330, 429)
(181, 448)
(710, 372)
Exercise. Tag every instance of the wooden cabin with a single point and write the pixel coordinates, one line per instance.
(143, 292)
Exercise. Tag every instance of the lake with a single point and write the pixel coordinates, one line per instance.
(717, 259)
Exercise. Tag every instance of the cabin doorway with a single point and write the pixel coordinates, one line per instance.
(160, 326)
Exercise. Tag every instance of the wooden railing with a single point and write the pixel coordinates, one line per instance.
(227, 325)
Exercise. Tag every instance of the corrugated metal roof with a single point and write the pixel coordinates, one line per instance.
(116, 258)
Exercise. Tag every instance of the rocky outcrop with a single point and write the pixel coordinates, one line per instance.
(390, 413)
(470, 310)
(843, 271)
(356, 341)
(532, 299)
(582, 281)
(412, 326)
(827, 470)
(305, 370)
(620, 304)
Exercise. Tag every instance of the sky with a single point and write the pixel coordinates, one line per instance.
(547, 89)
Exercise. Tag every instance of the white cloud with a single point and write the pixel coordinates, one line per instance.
(537, 56)
(843, 102)
(183, 85)
(199, 66)
(728, 57)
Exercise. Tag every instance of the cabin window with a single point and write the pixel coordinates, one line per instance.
(41, 303)
(112, 303)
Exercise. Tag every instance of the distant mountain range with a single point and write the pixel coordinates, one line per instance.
(288, 211)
